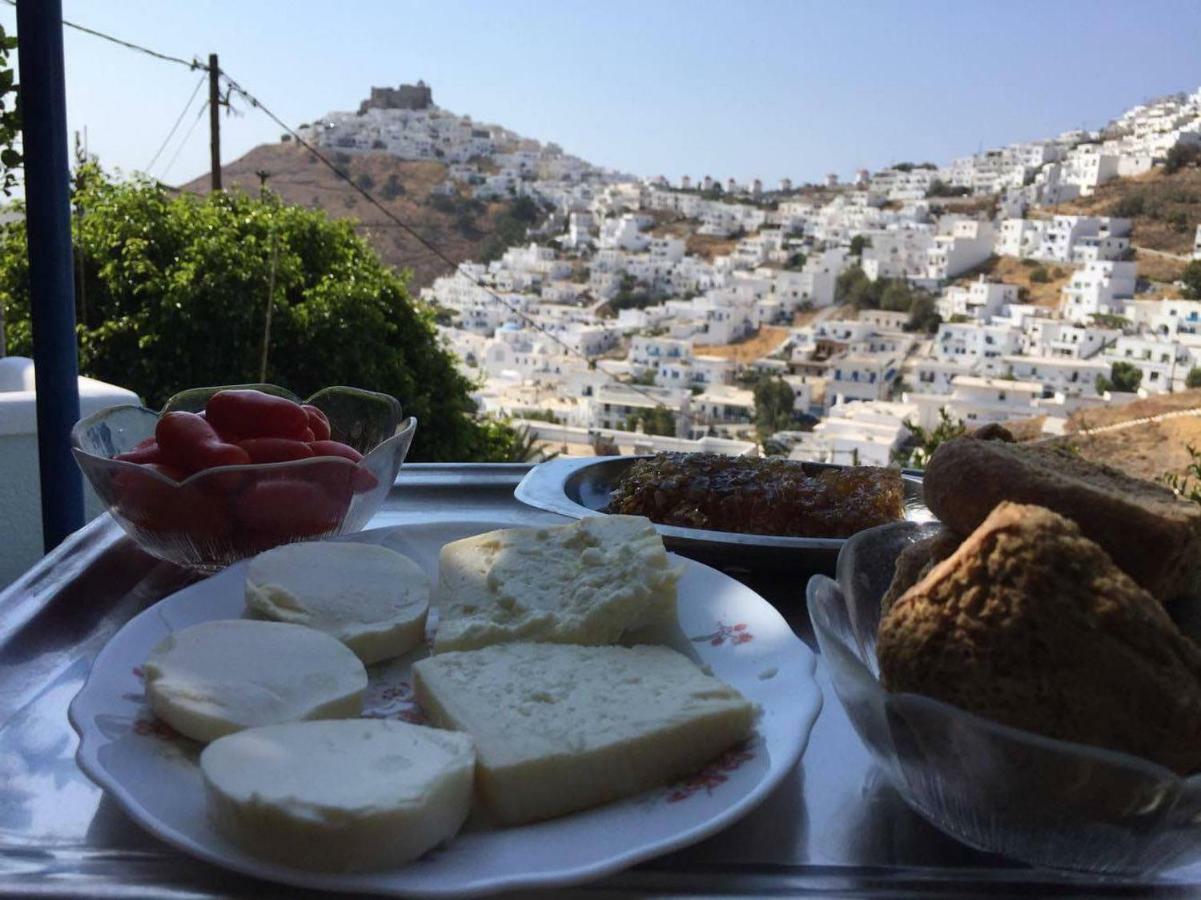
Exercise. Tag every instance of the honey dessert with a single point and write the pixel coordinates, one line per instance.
(758, 496)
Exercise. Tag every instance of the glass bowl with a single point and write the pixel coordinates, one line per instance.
(1041, 801)
(220, 515)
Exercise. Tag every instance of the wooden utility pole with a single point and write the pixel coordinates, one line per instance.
(215, 120)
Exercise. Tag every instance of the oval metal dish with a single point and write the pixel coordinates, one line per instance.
(580, 487)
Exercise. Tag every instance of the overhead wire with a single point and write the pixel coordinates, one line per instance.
(183, 112)
(184, 142)
(167, 57)
(234, 87)
(458, 267)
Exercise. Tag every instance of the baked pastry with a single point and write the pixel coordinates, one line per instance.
(758, 496)
(915, 561)
(1031, 624)
(1153, 535)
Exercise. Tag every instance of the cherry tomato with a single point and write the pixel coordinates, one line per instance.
(335, 448)
(158, 507)
(288, 507)
(318, 422)
(250, 414)
(272, 450)
(189, 443)
(147, 451)
(363, 481)
(170, 471)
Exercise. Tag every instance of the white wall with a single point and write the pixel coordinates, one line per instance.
(20, 491)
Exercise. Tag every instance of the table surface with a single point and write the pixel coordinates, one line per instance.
(833, 827)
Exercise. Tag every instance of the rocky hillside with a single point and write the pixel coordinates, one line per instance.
(460, 226)
(1164, 210)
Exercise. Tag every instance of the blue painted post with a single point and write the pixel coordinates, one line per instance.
(51, 275)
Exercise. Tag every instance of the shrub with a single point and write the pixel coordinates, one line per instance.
(1039, 275)
(176, 290)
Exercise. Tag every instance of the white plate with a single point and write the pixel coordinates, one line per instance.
(153, 773)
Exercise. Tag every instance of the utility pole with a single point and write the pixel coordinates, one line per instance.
(215, 120)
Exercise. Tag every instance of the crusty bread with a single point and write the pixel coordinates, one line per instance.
(1152, 535)
(1031, 624)
(916, 560)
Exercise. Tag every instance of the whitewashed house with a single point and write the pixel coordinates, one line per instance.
(979, 300)
(1098, 288)
(968, 244)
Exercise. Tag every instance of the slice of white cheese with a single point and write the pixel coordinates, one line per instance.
(559, 727)
(586, 583)
(339, 795)
(372, 599)
(219, 677)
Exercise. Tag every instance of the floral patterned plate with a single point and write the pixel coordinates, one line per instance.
(153, 774)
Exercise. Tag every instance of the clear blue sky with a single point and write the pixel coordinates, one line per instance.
(652, 87)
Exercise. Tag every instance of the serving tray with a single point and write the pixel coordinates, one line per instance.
(834, 827)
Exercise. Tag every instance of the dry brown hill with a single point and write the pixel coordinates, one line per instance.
(455, 225)
(1012, 270)
(1164, 210)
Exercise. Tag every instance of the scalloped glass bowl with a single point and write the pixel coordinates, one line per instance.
(1046, 802)
(219, 516)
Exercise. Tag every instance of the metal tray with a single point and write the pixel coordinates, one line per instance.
(581, 487)
(833, 828)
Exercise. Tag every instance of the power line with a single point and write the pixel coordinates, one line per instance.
(183, 143)
(183, 112)
(236, 88)
(193, 64)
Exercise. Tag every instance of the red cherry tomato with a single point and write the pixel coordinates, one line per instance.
(318, 422)
(147, 451)
(288, 507)
(189, 443)
(335, 448)
(250, 414)
(155, 506)
(363, 481)
(272, 450)
(170, 471)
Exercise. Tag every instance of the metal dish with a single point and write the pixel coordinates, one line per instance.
(580, 487)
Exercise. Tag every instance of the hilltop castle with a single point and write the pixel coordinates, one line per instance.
(407, 96)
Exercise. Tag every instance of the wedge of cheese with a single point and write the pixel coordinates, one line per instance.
(372, 599)
(339, 796)
(560, 727)
(219, 677)
(586, 583)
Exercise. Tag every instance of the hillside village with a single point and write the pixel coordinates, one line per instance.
(646, 315)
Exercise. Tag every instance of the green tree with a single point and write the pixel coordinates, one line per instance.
(915, 453)
(392, 187)
(10, 116)
(923, 314)
(176, 291)
(774, 401)
(656, 420)
(1193, 379)
(853, 287)
(1191, 276)
(1123, 376)
(858, 244)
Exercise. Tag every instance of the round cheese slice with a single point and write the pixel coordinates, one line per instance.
(372, 599)
(219, 677)
(338, 796)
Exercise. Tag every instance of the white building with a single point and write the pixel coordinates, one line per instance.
(968, 244)
(865, 433)
(1098, 288)
(979, 300)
